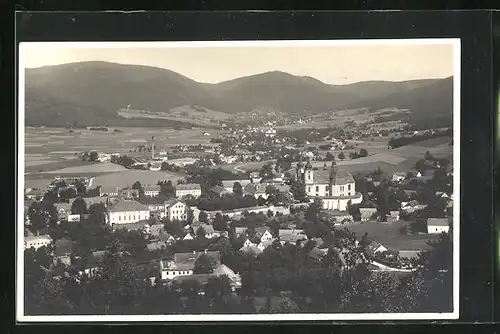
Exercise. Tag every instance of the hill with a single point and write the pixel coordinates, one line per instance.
(92, 93)
(430, 105)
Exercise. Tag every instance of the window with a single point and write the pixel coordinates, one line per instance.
(341, 188)
(349, 187)
(119, 218)
(327, 188)
(308, 189)
(134, 217)
(317, 188)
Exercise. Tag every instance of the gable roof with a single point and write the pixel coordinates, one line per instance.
(188, 186)
(171, 202)
(283, 232)
(186, 261)
(222, 269)
(438, 222)
(128, 206)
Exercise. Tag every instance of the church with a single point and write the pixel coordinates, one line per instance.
(334, 187)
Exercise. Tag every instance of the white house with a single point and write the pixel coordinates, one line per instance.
(367, 213)
(188, 236)
(264, 244)
(37, 241)
(151, 190)
(438, 225)
(375, 247)
(396, 177)
(183, 264)
(192, 189)
(127, 211)
(175, 210)
(263, 234)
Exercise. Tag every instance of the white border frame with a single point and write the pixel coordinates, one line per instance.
(455, 42)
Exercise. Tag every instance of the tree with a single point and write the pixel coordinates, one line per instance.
(137, 186)
(97, 212)
(167, 189)
(200, 232)
(341, 156)
(286, 306)
(204, 265)
(218, 287)
(237, 188)
(383, 202)
(203, 217)
(429, 156)
(329, 157)
(93, 156)
(363, 152)
(313, 210)
(80, 188)
(420, 166)
(219, 222)
(67, 193)
(298, 189)
(79, 206)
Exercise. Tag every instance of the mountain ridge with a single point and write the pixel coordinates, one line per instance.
(97, 89)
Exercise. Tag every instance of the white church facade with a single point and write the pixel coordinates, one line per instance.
(335, 188)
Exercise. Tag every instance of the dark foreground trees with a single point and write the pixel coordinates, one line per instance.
(284, 278)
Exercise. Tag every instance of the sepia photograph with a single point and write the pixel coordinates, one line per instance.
(238, 180)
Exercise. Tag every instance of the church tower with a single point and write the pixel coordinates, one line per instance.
(309, 176)
(300, 172)
(333, 177)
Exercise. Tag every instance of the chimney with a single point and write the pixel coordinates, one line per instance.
(194, 252)
(37, 233)
(205, 251)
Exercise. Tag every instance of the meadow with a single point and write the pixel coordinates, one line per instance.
(388, 235)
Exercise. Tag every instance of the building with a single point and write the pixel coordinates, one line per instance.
(412, 206)
(128, 193)
(334, 187)
(37, 241)
(393, 216)
(438, 225)
(291, 236)
(175, 210)
(255, 189)
(396, 177)
(192, 189)
(367, 213)
(255, 177)
(63, 248)
(374, 248)
(209, 231)
(263, 234)
(183, 264)
(127, 211)
(229, 184)
(63, 210)
(220, 191)
(92, 200)
(34, 194)
(151, 190)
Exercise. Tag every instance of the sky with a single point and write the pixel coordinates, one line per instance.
(333, 64)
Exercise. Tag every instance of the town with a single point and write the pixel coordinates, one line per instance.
(275, 215)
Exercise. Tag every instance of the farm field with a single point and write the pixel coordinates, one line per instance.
(129, 176)
(34, 163)
(389, 236)
(104, 167)
(59, 143)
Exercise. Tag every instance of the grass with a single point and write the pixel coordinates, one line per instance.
(105, 167)
(389, 236)
(56, 164)
(128, 177)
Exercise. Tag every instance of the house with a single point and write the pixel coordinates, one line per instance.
(374, 247)
(188, 236)
(229, 184)
(151, 190)
(408, 254)
(393, 216)
(256, 189)
(218, 190)
(210, 233)
(248, 243)
(156, 245)
(191, 189)
(317, 253)
(255, 177)
(62, 251)
(175, 210)
(92, 200)
(263, 234)
(396, 177)
(137, 226)
(240, 231)
(37, 241)
(251, 250)
(63, 210)
(128, 193)
(412, 206)
(183, 264)
(157, 229)
(127, 211)
(234, 279)
(367, 213)
(438, 225)
(34, 194)
(264, 244)
(292, 238)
